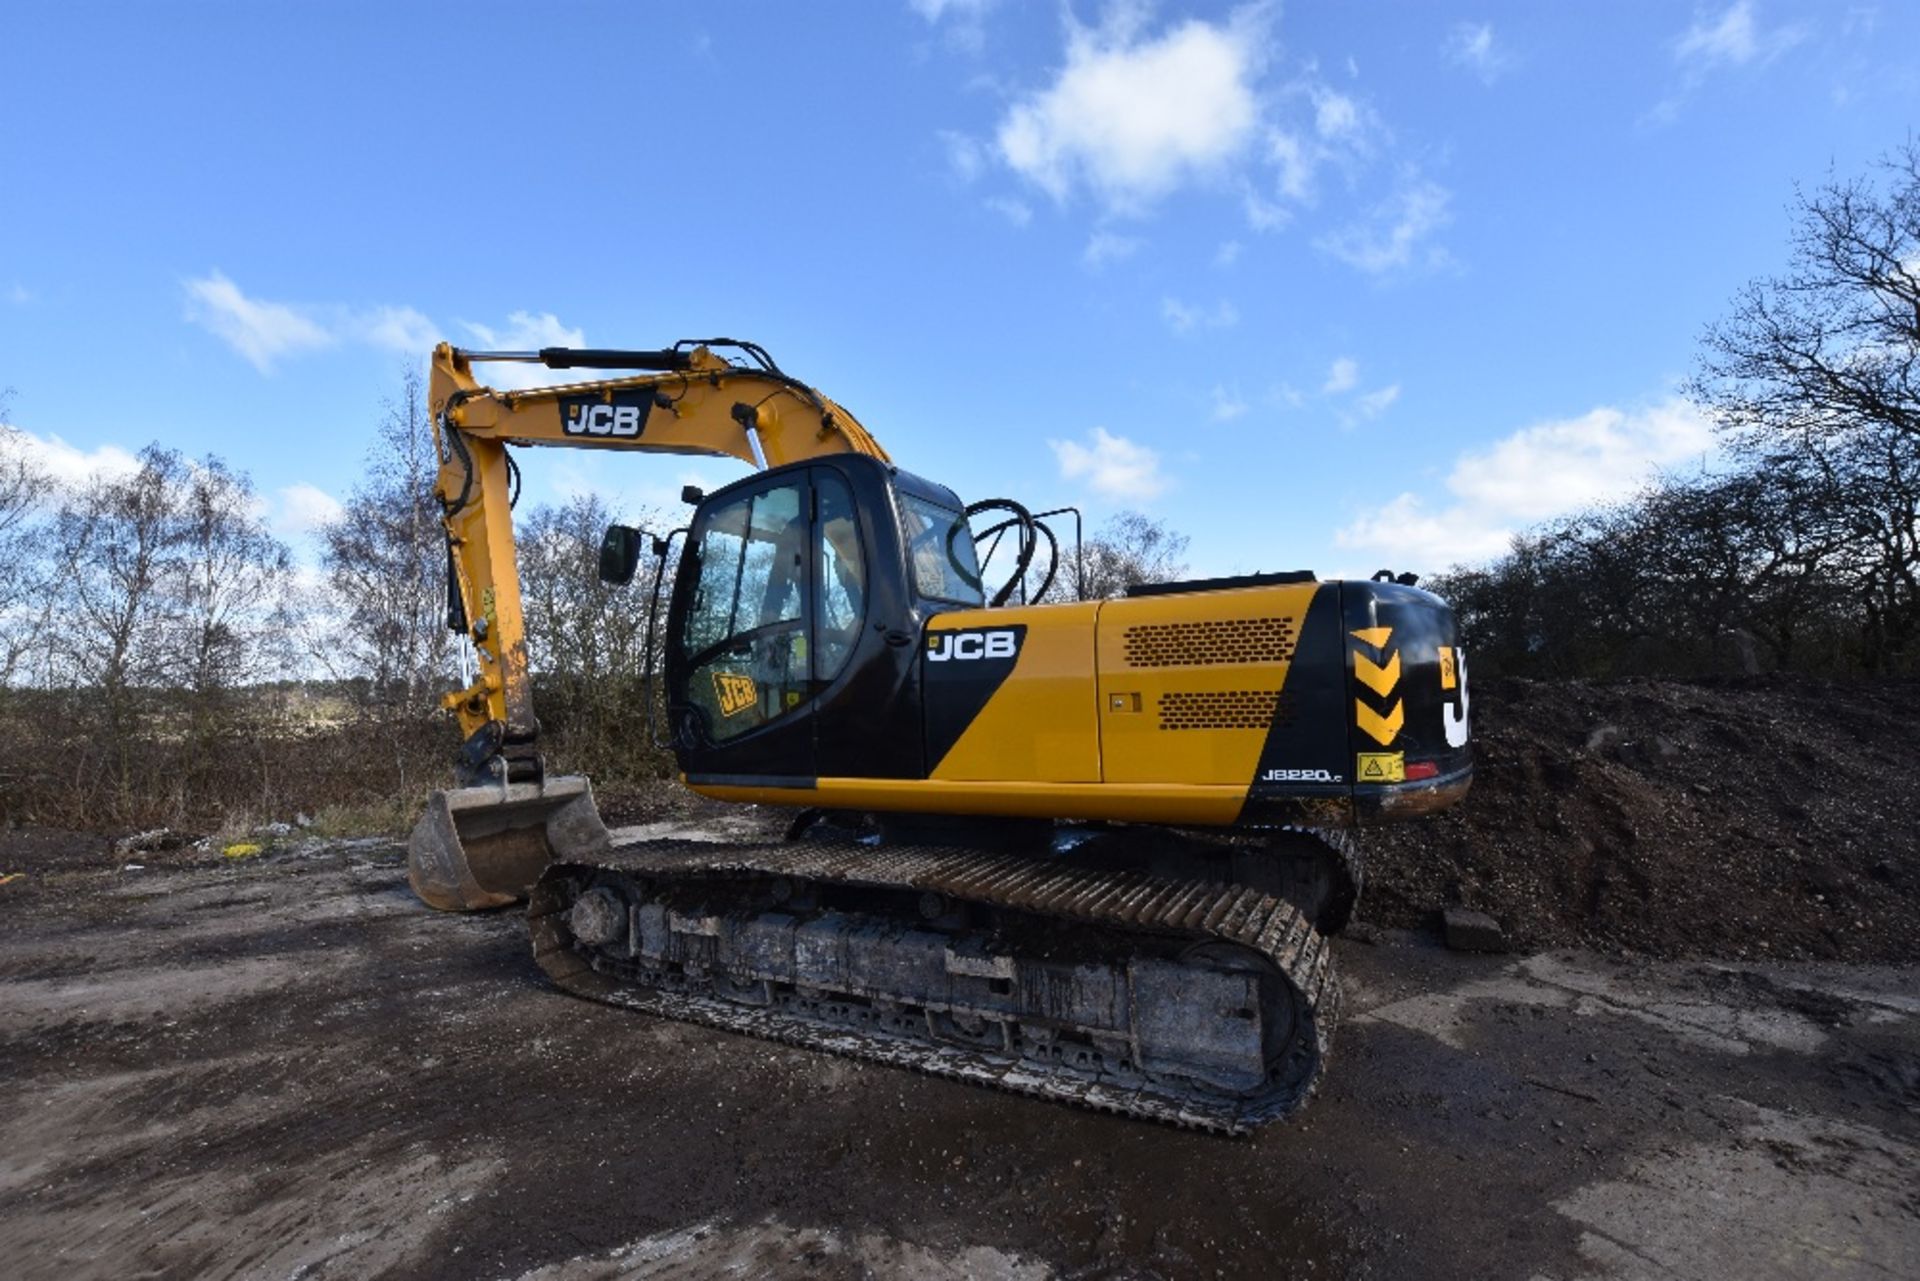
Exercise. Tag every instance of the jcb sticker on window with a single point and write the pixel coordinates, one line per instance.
(1380, 767)
(735, 692)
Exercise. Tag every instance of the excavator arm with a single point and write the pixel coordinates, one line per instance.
(480, 844)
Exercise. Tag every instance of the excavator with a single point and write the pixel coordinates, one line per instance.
(1087, 850)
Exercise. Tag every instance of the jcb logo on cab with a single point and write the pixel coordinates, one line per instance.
(943, 647)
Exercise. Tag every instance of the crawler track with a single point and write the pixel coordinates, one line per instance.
(1216, 1004)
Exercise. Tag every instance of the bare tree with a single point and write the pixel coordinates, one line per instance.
(1130, 548)
(587, 640)
(1818, 372)
(25, 491)
(1831, 346)
(232, 602)
(116, 547)
(386, 562)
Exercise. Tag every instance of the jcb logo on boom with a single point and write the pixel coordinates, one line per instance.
(945, 647)
(604, 420)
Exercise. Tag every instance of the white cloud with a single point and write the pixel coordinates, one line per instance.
(1227, 404)
(1294, 163)
(1540, 472)
(1342, 375)
(70, 465)
(1734, 39)
(1131, 117)
(1335, 115)
(1227, 254)
(1471, 45)
(1374, 403)
(1139, 109)
(264, 332)
(1104, 247)
(19, 295)
(400, 329)
(1184, 318)
(304, 509)
(526, 331)
(963, 22)
(1286, 396)
(1386, 241)
(1013, 210)
(1112, 466)
(934, 10)
(966, 157)
(260, 331)
(1711, 44)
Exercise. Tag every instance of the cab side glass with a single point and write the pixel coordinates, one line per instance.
(840, 578)
(940, 549)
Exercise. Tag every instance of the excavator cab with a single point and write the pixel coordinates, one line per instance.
(793, 632)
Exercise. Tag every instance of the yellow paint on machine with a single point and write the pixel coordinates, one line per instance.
(1381, 729)
(1214, 806)
(1150, 709)
(1041, 725)
(1189, 684)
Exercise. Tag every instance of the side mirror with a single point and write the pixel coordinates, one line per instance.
(619, 554)
(692, 495)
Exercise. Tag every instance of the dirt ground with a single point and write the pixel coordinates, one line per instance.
(1761, 818)
(286, 1067)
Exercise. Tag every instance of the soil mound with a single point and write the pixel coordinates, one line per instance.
(1752, 818)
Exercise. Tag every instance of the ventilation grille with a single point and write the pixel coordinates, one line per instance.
(1224, 709)
(1210, 643)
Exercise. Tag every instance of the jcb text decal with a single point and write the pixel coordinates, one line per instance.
(614, 416)
(947, 647)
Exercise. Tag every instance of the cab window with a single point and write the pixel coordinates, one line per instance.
(839, 576)
(745, 633)
(940, 549)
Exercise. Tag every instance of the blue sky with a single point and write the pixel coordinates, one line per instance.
(1326, 286)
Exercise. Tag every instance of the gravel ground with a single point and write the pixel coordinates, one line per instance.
(286, 1067)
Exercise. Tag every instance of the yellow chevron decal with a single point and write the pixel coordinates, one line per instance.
(1381, 729)
(1375, 636)
(1380, 680)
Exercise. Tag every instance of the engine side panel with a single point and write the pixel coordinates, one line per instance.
(1009, 694)
(1190, 684)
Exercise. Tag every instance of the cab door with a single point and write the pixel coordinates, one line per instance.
(740, 670)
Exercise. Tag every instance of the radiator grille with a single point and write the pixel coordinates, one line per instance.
(1210, 643)
(1223, 709)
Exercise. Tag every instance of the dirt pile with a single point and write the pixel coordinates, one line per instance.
(1754, 818)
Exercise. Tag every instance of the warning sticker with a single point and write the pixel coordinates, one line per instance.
(735, 692)
(1449, 668)
(1380, 767)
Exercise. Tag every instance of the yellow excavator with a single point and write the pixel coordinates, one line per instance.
(1090, 851)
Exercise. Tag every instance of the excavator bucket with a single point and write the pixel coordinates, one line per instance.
(482, 847)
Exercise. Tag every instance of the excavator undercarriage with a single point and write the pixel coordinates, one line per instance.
(1195, 1002)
